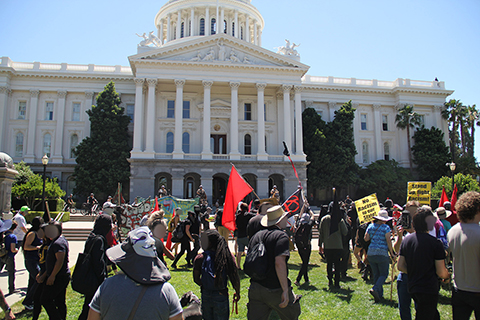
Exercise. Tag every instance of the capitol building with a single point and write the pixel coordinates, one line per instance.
(202, 94)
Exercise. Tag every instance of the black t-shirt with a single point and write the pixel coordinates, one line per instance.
(276, 244)
(254, 225)
(195, 224)
(159, 247)
(242, 220)
(420, 251)
(59, 245)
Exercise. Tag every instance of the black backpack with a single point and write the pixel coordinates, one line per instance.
(256, 262)
(179, 232)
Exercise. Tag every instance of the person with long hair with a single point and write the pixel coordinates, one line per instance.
(185, 241)
(97, 245)
(211, 271)
(31, 244)
(42, 254)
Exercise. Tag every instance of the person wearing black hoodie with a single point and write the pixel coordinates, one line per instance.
(97, 242)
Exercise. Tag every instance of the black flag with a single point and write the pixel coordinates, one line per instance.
(295, 203)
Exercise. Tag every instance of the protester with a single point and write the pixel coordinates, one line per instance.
(42, 253)
(143, 280)
(275, 291)
(172, 224)
(21, 229)
(10, 241)
(205, 218)
(241, 220)
(256, 205)
(108, 207)
(379, 233)
(202, 195)
(57, 274)
(30, 252)
(331, 245)
(195, 232)
(211, 271)
(303, 237)
(224, 232)
(97, 245)
(5, 307)
(255, 224)
(158, 227)
(443, 215)
(185, 241)
(464, 240)
(422, 258)
(274, 193)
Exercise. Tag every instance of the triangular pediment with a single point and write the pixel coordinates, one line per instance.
(217, 50)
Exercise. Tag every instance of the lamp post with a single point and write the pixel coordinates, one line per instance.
(44, 162)
(452, 167)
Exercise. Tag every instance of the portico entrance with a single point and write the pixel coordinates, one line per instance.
(219, 188)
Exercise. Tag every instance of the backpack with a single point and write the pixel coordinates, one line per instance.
(256, 262)
(179, 232)
(301, 236)
(208, 272)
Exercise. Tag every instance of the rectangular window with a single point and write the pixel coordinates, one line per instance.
(22, 109)
(49, 111)
(76, 112)
(363, 121)
(130, 111)
(171, 109)
(248, 111)
(385, 122)
(186, 109)
(320, 113)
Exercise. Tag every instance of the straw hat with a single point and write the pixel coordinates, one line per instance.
(273, 216)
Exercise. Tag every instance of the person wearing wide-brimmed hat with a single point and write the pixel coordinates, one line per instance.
(10, 240)
(380, 247)
(275, 291)
(142, 274)
(443, 214)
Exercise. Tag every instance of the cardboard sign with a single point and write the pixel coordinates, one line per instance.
(367, 208)
(420, 191)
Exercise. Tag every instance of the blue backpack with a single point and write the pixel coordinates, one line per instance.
(208, 272)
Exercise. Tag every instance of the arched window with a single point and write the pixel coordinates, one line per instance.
(182, 30)
(47, 144)
(169, 142)
(73, 144)
(190, 27)
(386, 151)
(233, 29)
(266, 145)
(202, 27)
(186, 142)
(248, 144)
(19, 145)
(241, 32)
(224, 26)
(365, 152)
(189, 186)
(174, 31)
(213, 26)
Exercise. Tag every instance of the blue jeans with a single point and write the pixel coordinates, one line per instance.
(33, 269)
(404, 298)
(214, 305)
(379, 266)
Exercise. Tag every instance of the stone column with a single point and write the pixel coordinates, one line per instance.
(377, 124)
(179, 24)
(234, 154)
(247, 28)
(150, 133)
(217, 22)
(193, 32)
(262, 188)
(177, 146)
(207, 21)
(222, 17)
(32, 126)
(298, 122)
(261, 154)
(160, 31)
(88, 106)
(206, 152)
(287, 130)
(4, 93)
(177, 186)
(255, 34)
(169, 28)
(236, 25)
(60, 115)
(138, 117)
(332, 105)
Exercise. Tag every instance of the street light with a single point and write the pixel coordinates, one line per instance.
(44, 162)
(452, 167)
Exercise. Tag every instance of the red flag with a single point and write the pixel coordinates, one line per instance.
(443, 198)
(237, 189)
(169, 237)
(156, 205)
(453, 218)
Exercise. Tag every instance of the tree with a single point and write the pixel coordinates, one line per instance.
(386, 179)
(464, 183)
(102, 157)
(450, 113)
(472, 121)
(430, 154)
(28, 186)
(406, 119)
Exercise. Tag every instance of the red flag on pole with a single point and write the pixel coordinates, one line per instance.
(169, 237)
(237, 189)
(156, 205)
(443, 198)
(453, 218)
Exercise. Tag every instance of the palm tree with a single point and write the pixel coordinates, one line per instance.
(406, 119)
(450, 113)
(472, 121)
(462, 119)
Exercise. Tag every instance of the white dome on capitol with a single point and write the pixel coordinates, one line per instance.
(181, 19)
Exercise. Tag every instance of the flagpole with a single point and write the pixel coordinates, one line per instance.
(256, 195)
(287, 153)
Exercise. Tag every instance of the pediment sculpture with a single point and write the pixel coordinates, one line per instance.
(288, 49)
(149, 41)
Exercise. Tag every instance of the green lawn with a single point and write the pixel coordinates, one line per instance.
(352, 301)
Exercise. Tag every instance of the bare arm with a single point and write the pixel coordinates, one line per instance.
(397, 244)
(13, 248)
(281, 269)
(93, 315)
(388, 235)
(442, 272)
(402, 264)
(366, 237)
(3, 303)
(28, 242)
(187, 231)
(197, 277)
(168, 253)
(177, 317)
(58, 265)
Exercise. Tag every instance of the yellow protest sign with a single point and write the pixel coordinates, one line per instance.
(367, 208)
(420, 191)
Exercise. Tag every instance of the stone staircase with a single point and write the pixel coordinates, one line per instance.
(78, 228)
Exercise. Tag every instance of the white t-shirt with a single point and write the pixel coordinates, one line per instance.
(21, 222)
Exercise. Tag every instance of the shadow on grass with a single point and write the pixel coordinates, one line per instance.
(445, 300)
(344, 294)
(389, 303)
(299, 266)
(308, 287)
(24, 314)
(348, 279)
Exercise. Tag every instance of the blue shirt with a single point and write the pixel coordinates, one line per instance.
(8, 240)
(378, 245)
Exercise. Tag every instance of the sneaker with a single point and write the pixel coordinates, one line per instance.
(297, 283)
(28, 307)
(375, 295)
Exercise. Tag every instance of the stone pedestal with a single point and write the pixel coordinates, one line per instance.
(7, 176)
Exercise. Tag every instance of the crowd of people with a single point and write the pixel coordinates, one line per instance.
(420, 241)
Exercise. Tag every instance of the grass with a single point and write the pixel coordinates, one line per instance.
(352, 301)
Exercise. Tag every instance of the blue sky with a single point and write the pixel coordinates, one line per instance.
(367, 39)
